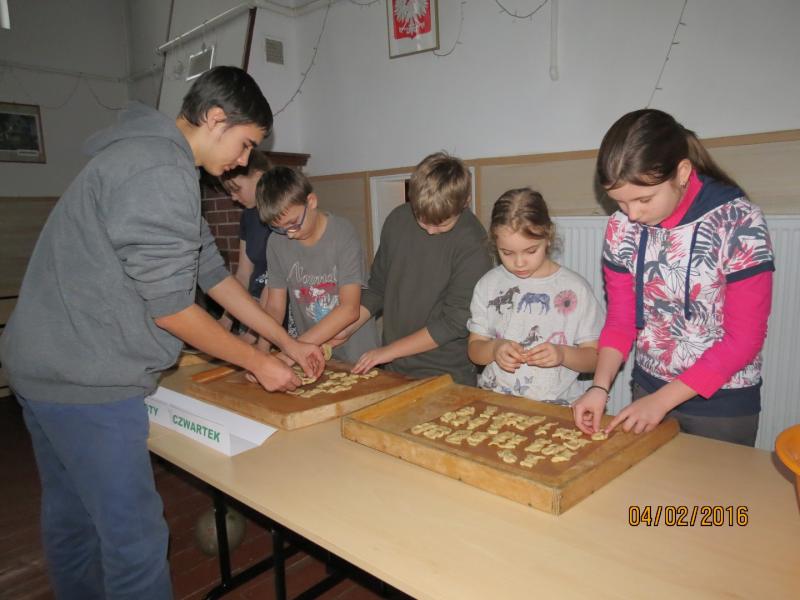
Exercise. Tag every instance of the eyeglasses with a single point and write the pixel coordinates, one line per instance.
(291, 228)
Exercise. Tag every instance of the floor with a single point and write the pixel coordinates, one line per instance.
(22, 569)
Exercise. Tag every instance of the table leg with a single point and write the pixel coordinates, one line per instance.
(228, 581)
(279, 558)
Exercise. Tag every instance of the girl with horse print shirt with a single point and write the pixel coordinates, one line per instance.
(534, 324)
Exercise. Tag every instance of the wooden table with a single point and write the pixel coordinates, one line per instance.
(434, 537)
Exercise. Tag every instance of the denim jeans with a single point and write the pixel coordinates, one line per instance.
(736, 430)
(102, 520)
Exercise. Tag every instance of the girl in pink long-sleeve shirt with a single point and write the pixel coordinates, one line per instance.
(688, 266)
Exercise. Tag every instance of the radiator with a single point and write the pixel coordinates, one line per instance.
(580, 247)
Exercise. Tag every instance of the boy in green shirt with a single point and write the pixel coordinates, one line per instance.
(432, 253)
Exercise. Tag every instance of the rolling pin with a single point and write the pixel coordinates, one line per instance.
(213, 374)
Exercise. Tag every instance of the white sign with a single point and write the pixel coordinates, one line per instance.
(157, 411)
(212, 426)
(201, 430)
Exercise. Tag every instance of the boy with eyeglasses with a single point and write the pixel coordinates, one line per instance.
(316, 259)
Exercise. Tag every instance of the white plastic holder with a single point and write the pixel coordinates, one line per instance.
(222, 430)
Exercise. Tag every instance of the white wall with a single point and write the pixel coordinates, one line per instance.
(148, 28)
(279, 82)
(735, 71)
(228, 38)
(86, 36)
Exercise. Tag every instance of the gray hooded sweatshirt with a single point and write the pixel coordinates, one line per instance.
(124, 245)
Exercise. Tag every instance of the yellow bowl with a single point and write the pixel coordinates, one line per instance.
(787, 447)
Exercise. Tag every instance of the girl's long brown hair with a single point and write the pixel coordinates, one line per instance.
(645, 146)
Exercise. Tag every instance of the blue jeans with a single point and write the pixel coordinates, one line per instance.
(102, 520)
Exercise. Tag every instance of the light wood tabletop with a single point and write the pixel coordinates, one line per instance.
(435, 537)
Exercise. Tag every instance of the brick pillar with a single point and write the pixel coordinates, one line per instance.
(223, 216)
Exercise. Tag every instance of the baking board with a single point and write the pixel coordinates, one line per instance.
(551, 487)
(234, 392)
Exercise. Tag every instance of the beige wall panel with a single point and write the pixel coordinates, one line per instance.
(346, 197)
(769, 173)
(567, 185)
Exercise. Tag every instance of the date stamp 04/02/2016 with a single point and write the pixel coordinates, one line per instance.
(705, 515)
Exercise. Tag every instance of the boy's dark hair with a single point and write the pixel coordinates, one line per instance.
(234, 91)
(278, 189)
(644, 147)
(258, 161)
(439, 188)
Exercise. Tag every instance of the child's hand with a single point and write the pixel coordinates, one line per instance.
(508, 355)
(273, 374)
(642, 415)
(588, 409)
(545, 355)
(225, 322)
(308, 356)
(378, 356)
(248, 338)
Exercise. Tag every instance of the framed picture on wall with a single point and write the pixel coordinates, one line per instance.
(413, 26)
(21, 133)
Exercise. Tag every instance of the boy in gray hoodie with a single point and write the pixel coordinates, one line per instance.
(106, 304)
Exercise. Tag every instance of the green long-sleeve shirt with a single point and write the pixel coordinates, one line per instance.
(420, 280)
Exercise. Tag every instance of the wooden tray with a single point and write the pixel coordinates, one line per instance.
(551, 487)
(233, 392)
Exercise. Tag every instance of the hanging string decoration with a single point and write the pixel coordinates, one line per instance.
(77, 76)
(299, 89)
(516, 15)
(458, 37)
(657, 87)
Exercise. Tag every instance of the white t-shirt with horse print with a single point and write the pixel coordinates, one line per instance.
(560, 308)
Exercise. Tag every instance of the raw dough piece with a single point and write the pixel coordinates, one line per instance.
(466, 411)
(476, 437)
(538, 445)
(457, 437)
(577, 444)
(422, 428)
(477, 422)
(508, 456)
(510, 441)
(552, 449)
(566, 433)
(599, 436)
(544, 429)
(501, 438)
(436, 432)
(562, 456)
(304, 379)
(460, 421)
(530, 460)
(448, 417)
(489, 410)
(527, 422)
